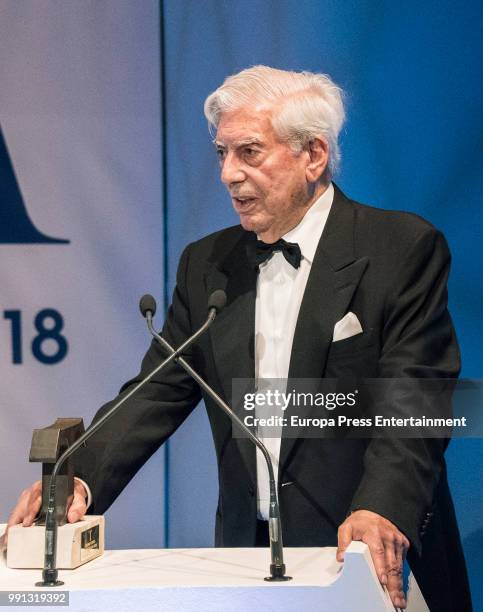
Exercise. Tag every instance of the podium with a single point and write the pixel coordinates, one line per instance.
(220, 579)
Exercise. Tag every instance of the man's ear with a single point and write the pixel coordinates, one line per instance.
(318, 150)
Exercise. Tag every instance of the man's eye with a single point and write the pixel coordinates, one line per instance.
(250, 152)
(220, 153)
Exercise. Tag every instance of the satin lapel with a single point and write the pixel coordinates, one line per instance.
(233, 333)
(334, 276)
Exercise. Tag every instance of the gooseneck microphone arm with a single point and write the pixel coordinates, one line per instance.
(50, 572)
(277, 567)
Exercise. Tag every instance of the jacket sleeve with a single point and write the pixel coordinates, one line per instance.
(418, 343)
(128, 439)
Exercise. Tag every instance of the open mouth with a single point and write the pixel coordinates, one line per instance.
(242, 204)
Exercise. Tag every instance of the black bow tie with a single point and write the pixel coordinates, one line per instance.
(260, 252)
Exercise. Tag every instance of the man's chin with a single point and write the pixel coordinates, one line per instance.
(251, 224)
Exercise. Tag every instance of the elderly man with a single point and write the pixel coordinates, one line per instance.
(302, 258)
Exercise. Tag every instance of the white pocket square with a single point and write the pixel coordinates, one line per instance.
(347, 327)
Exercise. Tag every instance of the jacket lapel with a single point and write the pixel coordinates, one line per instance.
(232, 335)
(333, 279)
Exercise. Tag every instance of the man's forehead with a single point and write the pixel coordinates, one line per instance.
(244, 126)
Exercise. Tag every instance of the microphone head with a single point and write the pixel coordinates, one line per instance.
(217, 300)
(147, 304)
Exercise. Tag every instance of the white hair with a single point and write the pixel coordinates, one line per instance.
(306, 105)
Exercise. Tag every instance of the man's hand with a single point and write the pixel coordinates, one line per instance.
(30, 501)
(387, 545)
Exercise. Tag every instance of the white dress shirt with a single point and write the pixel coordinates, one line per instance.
(280, 289)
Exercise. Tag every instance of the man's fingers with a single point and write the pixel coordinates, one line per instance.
(378, 554)
(401, 545)
(33, 507)
(78, 508)
(27, 507)
(344, 537)
(16, 517)
(25, 511)
(395, 590)
(396, 593)
(394, 570)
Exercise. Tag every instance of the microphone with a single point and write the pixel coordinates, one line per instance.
(217, 300)
(147, 303)
(50, 572)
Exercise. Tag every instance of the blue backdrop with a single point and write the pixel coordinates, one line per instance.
(412, 75)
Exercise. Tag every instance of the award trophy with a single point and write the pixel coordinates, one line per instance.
(78, 542)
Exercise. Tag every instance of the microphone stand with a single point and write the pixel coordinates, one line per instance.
(277, 566)
(50, 572)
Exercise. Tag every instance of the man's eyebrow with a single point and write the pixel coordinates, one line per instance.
(240, 143)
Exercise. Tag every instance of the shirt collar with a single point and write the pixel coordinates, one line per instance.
(308, 232)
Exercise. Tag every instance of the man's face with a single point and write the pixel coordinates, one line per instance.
(266, 179)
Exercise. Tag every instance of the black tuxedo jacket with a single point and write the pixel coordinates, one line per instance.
(390, 269)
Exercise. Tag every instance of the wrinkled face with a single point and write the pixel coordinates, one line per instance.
(266, 179)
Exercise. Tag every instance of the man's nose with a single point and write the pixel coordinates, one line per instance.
(231, 171)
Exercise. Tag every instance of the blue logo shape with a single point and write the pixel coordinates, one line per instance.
(16, 227)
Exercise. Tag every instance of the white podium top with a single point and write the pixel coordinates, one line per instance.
(217, 579)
